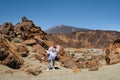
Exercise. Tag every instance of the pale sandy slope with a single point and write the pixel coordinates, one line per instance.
(111, 72)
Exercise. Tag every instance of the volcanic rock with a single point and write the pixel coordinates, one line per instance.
(7, 29)
(113, 52)
(34, 72)
(8, 54)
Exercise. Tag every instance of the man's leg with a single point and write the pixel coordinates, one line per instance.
(49, 60)
(49, 63)
(53, 64)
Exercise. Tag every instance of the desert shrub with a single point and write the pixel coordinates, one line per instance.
(16, 40)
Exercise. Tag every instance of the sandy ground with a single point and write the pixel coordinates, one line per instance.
(109, 72)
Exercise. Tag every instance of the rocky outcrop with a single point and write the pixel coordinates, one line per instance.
(24, 30)
(7, 29)
(113, 52)
(15, 39)
(27, 30)
(8, 54)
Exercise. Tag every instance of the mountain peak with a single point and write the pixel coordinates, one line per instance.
(61, 29)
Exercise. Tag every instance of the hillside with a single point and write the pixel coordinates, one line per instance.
(85, 39)
(62, 29)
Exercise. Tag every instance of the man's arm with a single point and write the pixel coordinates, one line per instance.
(58, 48)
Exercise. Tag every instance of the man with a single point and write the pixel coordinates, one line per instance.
(52, 53)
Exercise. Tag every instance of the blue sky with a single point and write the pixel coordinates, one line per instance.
(92, 14)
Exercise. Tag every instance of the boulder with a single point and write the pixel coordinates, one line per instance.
(68, 63)
(95, 68)
(7, 29)
(34, 72)
(22, 50)
(40, 41)
(24, 19)
(93, 65)
(13, 61)
(113, 52)
(81, 64)
(9, 72)
(36, 47)
(8, 54)
(3, 54)
(41, 54)
(77, 70)
(30, 42)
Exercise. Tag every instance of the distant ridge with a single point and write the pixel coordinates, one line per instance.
(86, 39)
(62, 29)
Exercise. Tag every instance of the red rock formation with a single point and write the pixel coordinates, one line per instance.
(93, 65)
(12, 50)
(8, 54)
(22, 50)
(34, 72)
(26, 30)
(68, 63)
(113, 52)
(41, 53)
(7, 29)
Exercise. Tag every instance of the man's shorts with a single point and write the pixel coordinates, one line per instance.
(51, 57)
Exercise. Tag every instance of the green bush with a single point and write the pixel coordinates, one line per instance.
(16, 40)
